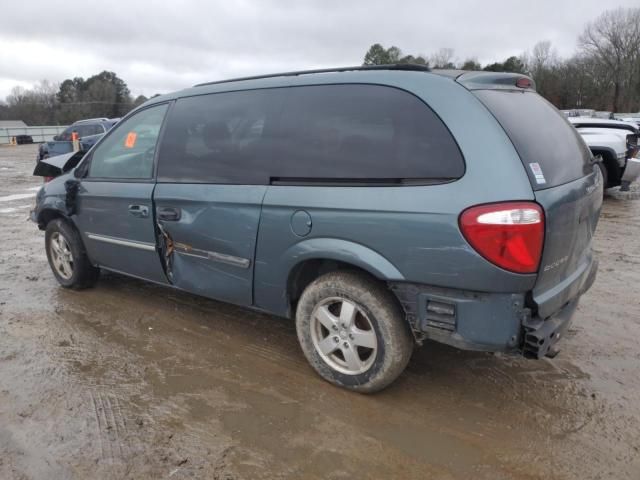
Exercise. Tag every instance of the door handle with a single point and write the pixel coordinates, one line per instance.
(141, 211)
(168, 214)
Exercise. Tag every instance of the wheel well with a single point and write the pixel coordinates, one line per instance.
(611, 164)
(46, 216)
(307, 271)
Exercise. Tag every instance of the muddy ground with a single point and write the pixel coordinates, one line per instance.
(131, 380)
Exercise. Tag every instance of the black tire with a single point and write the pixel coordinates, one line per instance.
(83, 274)
(379, 308)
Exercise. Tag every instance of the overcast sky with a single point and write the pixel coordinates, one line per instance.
(157, 47)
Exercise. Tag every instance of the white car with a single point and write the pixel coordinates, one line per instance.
(614, 141)
(634, 120)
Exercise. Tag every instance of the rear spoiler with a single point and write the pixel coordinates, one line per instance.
(481, 80)
(56, 166)
(496, 81)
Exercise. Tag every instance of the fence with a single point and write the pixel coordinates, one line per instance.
(39, 134)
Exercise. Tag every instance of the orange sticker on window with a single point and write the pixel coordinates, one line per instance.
(130, 141)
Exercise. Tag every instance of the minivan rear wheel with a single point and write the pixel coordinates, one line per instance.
(352, 331)
(67, 257)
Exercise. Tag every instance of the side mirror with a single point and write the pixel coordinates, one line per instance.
(56, 138)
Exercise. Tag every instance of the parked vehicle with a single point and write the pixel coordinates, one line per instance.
(614, 141)
(88, 131)
(580, 112)
(633, 120)
(378, 206)
(24, 139)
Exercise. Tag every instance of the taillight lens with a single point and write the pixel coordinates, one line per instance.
(48, 179)
(509, 234)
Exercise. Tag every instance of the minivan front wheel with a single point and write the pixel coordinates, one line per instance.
(67, 258)
(353, 332)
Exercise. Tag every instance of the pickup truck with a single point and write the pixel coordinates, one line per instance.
(89, 132)
(614, 141)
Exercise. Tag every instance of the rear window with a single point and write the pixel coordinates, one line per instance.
(89, 129)
(552, 150)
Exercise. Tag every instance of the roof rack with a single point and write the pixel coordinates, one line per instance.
(395, 66)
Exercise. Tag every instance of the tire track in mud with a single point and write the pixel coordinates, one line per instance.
(110, 427)
(74, 363)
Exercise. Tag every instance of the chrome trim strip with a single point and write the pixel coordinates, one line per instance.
(213, 256)
(120, 241)
(229, 259)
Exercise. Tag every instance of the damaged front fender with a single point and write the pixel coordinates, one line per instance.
(51, 202)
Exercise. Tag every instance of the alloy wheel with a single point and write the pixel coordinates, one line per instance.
(343, 336)
(61, 256)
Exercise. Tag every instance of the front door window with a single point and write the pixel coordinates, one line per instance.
(129, 151)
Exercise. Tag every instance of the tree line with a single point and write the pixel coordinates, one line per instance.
(603, 74)
(101, 95)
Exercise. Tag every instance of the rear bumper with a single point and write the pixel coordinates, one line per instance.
(541, 336)
(552, 300)
(493, 322)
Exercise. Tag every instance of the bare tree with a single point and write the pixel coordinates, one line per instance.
(443, 58)
(542, 64)
(543, 56)
(604, 73)
(36, 105)
(613, 40)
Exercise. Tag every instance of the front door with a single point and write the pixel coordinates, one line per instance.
(114, 201)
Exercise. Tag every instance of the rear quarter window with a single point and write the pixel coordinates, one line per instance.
(363, 132)
(541, 136)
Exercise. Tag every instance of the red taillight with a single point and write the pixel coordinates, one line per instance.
(523, 82)
(509, 234)
(48, 179)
